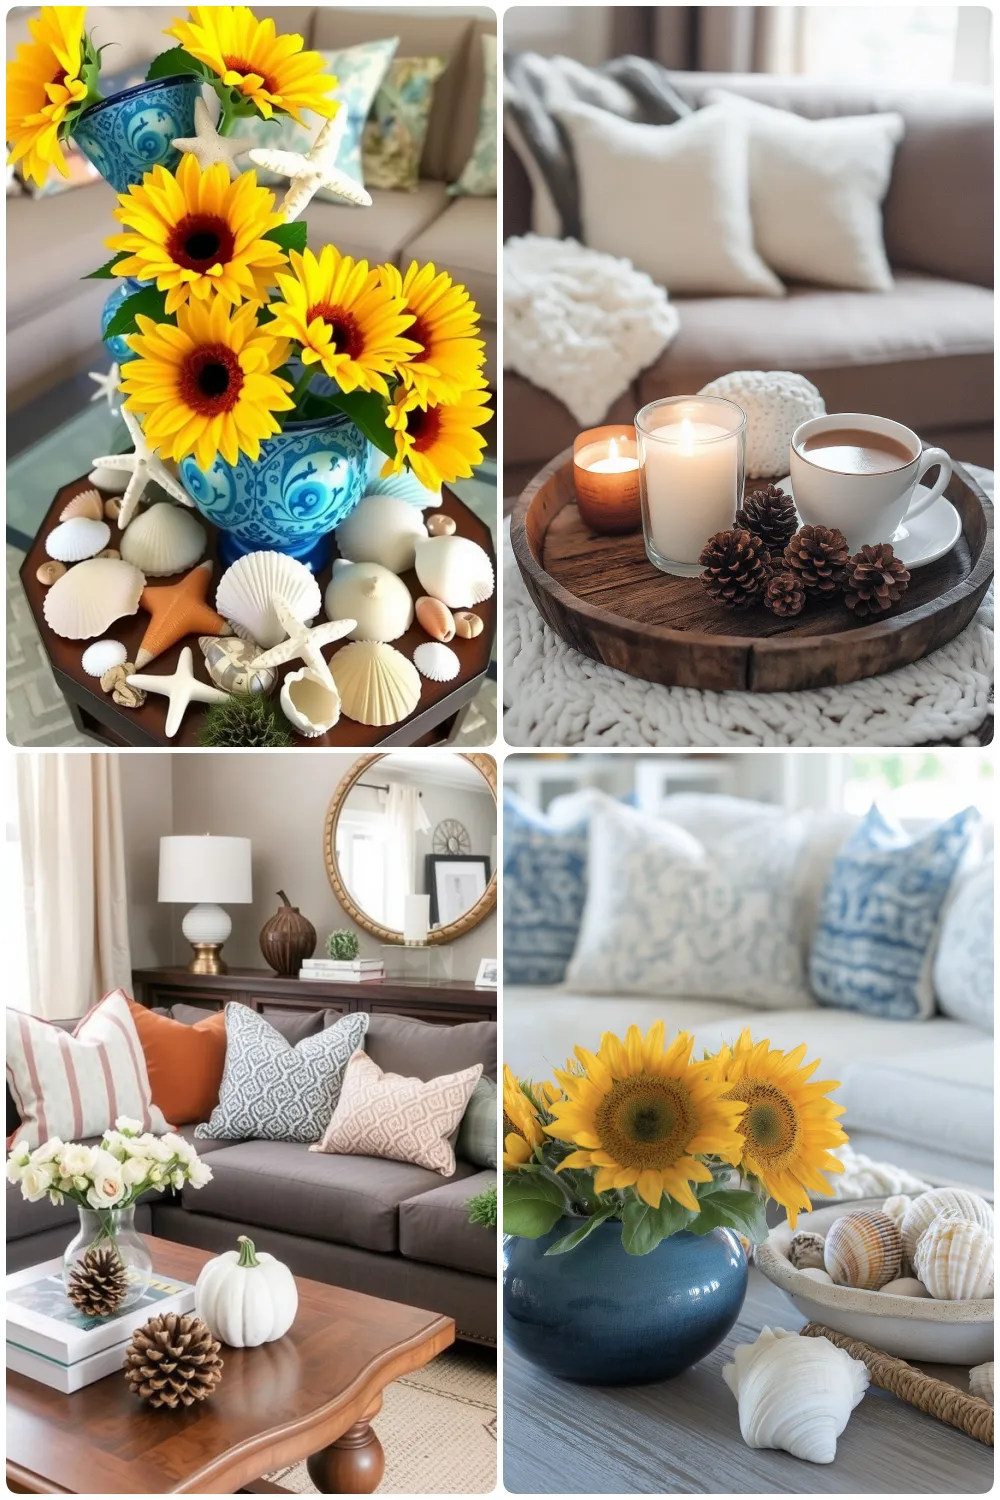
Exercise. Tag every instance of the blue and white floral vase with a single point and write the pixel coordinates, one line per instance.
(128, 134)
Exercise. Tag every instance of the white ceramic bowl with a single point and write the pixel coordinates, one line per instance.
(915, 1328)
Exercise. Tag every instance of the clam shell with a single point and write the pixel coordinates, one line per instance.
(436, 661)
(91, 596)
(377, 684)
(310, 705)
(795, 1393)
(79, 537)
(905, 1286)
(954, 1259)
(404, 485)
(372, 595)
(455, 570)
(381, 529)
(113, 481)
(436, 618)
(163, 539)
(981, 1381)
(247, 588)
(102, 656)
(863, 1249)
(805, 1249)
(958, 1202)
(468, 625)
(228, 661)
(48, 572)
(87, 503)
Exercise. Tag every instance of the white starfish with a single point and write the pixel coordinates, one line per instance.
(304, 642)
(107, 386)
(211, 147)
(314, 170)
(183, 689)
(144, 466)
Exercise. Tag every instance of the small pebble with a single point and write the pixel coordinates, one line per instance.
(441, 526)
(815, 1274)
(468, 625)
(49, 572)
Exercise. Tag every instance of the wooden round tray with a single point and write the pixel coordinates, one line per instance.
(603, 596)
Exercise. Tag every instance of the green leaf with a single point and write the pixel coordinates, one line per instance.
(570, 1241)
(732, 1208)
(106, 272)
(289, 236)
(531, 1205)
(367, 411)
(150, 302)
(643, 1227)
(173, 62)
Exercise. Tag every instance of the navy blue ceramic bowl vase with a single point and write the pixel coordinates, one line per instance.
(128, 134)
(602, 1317)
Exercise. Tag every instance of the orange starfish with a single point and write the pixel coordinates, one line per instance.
(178, 611)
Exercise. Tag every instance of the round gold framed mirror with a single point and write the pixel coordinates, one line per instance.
(413, 823)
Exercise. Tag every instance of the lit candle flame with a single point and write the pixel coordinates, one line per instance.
(687, 439)
(613, 449)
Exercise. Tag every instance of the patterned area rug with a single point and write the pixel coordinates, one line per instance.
(438, 1427)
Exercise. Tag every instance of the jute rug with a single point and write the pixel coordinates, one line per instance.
(438, 1428)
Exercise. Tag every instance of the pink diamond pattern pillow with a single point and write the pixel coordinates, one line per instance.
(405, 1119)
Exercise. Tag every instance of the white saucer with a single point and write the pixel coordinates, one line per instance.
(924, 539)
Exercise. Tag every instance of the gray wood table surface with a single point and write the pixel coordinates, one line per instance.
(682, 1436)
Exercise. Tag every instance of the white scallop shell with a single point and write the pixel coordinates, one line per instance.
(228, 661)
(381, 530)
(163, 539)
(102, 656)
(247, 588)
(379, 601)
(112, 481)
(79, 537)
(377, 684)
(958, 1202)
(455, 570)
(404, 486)
(436, 661)
(795, 1393)
(905, 1286)
(863, 1249)
(310, 704)
(86, 600)
(981, 1381)
(954, 1259)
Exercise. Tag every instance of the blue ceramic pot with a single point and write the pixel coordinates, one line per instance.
(306, 481)
(131, 133)
(116, 345)
(602, 1317)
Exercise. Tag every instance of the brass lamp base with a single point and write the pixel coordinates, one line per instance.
(207, 959)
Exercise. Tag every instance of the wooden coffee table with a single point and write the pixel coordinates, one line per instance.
(311, 1394)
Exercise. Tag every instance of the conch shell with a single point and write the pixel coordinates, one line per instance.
(795, 1393)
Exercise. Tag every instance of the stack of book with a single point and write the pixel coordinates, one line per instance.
(343, 971)
(49, 1341)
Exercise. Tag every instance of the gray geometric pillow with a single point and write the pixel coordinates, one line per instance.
(272, 1091)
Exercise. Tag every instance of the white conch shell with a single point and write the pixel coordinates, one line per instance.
(228, 662)
(954, 1259)
(368, 593)
(455, 570)
(863, 1249)
(981, 1381)
(957, 1202)
(79, 537)
(377, 684)
(102, 656)
(795, 1393)
(381, 529)
(86, 600)
(436, 661)
(247, 588)
(311, 705)
(404, 486)
(162, 540)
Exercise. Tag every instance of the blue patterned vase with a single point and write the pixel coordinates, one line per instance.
(131, 133)
(602, 1317)
(116, 345)
(306, 481)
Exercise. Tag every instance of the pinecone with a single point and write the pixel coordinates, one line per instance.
(817, 555)
(98, 1283)
(737, 567)
(769, 514)
(173, 1361)
(876, 580)
(785, 595)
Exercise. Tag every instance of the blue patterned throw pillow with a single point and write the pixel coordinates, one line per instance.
(879, 916)
(544, 889)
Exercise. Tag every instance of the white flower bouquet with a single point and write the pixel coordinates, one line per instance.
(113, 1175)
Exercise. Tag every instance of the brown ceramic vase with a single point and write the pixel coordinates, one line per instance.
(287, 938)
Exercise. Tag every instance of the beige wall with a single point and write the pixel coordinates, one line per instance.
(147, 813)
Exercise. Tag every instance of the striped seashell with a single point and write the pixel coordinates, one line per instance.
(959, 1203)
(863, 1249)
(805, 1249)
(954, 1259)
(87, 503)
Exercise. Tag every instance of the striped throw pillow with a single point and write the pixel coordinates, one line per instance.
(76, 1084)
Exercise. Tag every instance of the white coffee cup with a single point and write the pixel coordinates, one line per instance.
(867, 508)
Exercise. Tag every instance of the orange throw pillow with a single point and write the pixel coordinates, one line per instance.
(184, 1063)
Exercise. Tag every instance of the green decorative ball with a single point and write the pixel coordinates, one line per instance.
(343, 945)
(244, 723)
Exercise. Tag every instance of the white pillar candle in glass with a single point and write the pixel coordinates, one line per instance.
(691, 457)
(416, 918)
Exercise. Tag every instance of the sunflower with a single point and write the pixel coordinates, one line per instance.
(445, 324)
(438, 439)
(644, 1114)
(271, 72)
(207, 386)
(344, 318)
(197, 233)
(789, 1127)
(45, 83)
(522, 1130)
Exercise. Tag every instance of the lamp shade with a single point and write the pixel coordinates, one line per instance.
(203, 868)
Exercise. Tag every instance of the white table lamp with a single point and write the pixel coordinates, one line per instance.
(206, 871)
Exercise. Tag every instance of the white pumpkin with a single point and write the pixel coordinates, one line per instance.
(246, 1298)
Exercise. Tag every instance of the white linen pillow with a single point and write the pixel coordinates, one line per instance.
(672, 199)
(963, 964)
(667, 915)
(816, 191)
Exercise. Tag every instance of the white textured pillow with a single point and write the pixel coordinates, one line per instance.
(816, 191)
(672, 199)
(963, 964)
(669, 916)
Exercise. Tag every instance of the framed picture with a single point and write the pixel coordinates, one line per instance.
(455, 883)
(486, 979)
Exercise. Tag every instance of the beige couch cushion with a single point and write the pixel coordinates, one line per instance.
(941, 1098)
(52, 243)
(379, 233)
(463, 242)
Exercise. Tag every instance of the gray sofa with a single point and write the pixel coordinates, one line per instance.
(387, 1228)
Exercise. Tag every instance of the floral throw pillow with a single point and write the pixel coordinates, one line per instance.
(479, 175)
(397, 126)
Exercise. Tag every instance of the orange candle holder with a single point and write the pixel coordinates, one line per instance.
(608, 502)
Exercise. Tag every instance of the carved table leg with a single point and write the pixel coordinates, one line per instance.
(354, 1464)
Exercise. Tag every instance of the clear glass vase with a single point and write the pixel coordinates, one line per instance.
(113, 1228)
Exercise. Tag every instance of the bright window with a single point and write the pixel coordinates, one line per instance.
(919, 786)
(908, 44)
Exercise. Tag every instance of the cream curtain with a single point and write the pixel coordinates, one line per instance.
(405, 818)
(73, 859)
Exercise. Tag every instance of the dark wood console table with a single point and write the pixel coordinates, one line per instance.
(443, 1002)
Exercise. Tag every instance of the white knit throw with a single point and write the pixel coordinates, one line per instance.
(555, 696)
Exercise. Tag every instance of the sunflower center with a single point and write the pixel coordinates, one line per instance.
(240, 65)
(347, 337)
(770, 1122)
(211, 380)
(419, 333)
(199, 241)
(510, 1128)
(423, 427)
(645, 1122)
